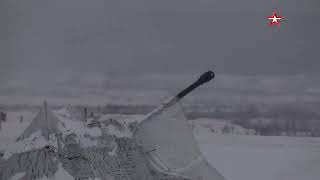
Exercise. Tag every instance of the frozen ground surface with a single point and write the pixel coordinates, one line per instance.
(13, 128)
(237, 157)
(248, 157)
(263, 158)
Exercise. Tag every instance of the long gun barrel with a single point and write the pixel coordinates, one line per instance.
(204, 78)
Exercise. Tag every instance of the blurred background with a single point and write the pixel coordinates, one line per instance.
(137, 53)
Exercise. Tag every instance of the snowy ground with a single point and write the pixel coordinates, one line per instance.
(249, 157)
(264, 158)
(13, 128)
(237, 157)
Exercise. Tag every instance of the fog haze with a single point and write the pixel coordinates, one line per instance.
(133, 37)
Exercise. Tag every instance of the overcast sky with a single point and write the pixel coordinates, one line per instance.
(130, 37)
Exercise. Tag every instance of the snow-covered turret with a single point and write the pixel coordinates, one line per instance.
(160, 147)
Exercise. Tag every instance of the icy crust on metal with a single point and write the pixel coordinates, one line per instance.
(35, 164)
(128, 163)
(73, 149)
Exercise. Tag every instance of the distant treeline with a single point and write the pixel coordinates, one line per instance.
(282, 119)
(279, 119)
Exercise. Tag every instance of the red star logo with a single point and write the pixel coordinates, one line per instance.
(274, 19)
